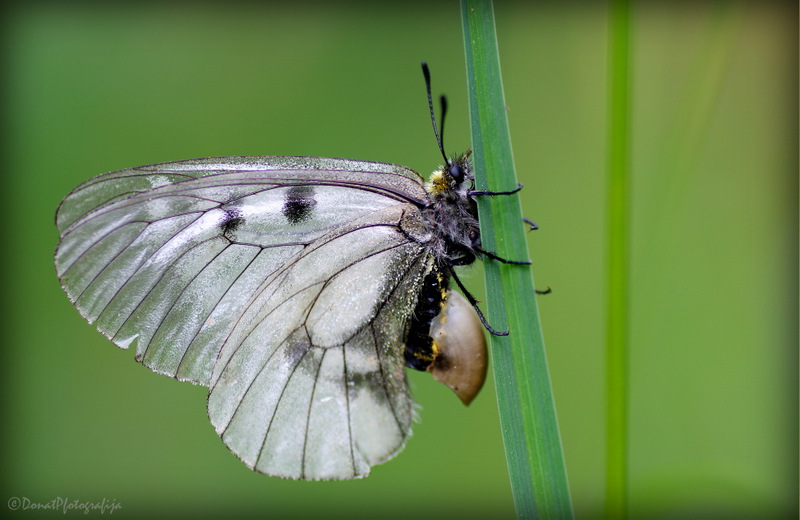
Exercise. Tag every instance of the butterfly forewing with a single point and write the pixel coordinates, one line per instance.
(127, 225)
(225, 174)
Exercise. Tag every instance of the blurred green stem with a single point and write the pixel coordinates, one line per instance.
(617, 274)
(525, 399)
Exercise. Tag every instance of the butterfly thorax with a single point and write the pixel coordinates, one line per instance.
(452, 214)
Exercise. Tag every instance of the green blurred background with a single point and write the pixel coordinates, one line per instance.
(93, 87)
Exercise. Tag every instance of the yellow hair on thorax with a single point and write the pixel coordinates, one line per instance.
(438, 183)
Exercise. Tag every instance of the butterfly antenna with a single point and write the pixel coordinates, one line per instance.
(427, 74)
(443, 103)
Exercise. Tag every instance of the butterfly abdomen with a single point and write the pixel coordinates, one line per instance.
(446, 338)
(419, 353)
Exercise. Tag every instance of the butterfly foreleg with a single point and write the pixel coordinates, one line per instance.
(533, 226)
(491, 193)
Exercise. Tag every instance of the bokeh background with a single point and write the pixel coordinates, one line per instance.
(94, 87)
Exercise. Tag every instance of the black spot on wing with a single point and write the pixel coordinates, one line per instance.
(233, 219)
(299, 204)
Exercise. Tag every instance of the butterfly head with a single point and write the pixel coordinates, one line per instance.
(453, 180)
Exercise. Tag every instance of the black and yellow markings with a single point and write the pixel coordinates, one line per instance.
(421, 350)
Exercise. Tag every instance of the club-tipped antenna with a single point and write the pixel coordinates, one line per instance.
(443, 104)
(427, 74)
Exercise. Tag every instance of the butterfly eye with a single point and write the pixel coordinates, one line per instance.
(456, 172)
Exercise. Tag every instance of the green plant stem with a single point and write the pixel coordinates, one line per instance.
(525, 399)
(617, 273)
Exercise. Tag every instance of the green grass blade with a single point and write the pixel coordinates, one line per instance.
(525, 399)
(618, 235)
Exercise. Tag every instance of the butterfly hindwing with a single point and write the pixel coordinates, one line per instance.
(310, 384)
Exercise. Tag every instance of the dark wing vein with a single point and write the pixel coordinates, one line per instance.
(102, 211)
(267, 360)
(157, 280)
(283, 269)
(347, 407)
(187, 284)
(277, 402)
(122, 226)
(121, 251)
(288, 300)
(97, 242)
(222, 296)
(384, 377)
(381, 364)
(120, 202)
(308, 418)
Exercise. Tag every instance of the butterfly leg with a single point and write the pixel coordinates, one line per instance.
(493, 256)
(532, 224)
(533, 227)
(487, 192)
(472, 301)
(513, 262)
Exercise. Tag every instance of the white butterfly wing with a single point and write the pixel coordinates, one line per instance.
(156, 257)
(229, 173)
(284, 283)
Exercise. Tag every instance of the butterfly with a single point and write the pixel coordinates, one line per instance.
(296, 288)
